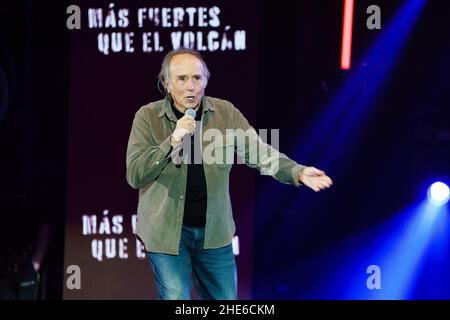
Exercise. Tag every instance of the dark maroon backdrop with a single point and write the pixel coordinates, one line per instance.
(105, 92)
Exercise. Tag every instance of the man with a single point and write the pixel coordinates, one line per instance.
(185, 219)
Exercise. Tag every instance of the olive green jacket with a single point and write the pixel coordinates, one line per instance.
(162, 183)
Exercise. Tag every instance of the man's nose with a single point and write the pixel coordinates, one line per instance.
(191, 85)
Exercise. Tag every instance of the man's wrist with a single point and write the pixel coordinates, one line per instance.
(175, 139)
(297, 173)
(177, 136)
(174, 143)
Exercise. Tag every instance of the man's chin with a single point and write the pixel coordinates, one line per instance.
(192, 105)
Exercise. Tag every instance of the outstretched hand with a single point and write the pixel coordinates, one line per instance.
(315, 179)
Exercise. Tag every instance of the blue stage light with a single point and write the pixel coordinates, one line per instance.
(438, 193)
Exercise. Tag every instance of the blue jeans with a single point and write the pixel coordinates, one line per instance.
(213, 270)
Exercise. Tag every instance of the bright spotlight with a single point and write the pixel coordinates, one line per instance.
(438, 193)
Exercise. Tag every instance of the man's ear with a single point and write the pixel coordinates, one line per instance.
(168, 87)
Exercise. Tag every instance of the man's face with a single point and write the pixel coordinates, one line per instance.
(186, 81)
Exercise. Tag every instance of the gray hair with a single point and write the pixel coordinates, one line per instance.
(163, 75)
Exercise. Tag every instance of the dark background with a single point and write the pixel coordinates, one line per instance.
(105, 93)
(402, 146)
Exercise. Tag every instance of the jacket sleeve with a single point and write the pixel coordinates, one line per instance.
(262, 156)
(145, 158)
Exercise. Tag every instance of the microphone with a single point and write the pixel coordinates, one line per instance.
(177, 153)
(191, 112)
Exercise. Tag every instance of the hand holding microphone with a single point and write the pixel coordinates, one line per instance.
(185, 125)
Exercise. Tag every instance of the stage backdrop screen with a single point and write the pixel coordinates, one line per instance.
(115, 57)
